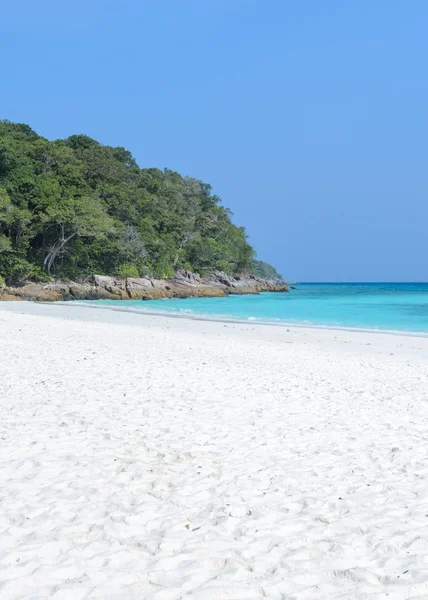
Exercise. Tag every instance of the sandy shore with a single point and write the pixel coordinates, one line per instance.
(149, 457)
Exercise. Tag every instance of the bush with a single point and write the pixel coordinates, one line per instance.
(225, 266)
(127, 270)
(17, 270)
(162, 271)
(2, 283)
(37, 274)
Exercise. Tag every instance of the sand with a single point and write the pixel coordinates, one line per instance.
(150, 457)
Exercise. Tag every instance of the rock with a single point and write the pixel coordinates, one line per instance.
(243, 291)
(139, 289)
(187, 277)
(220, 277)
(103, 281)
(186, 284)
(82, 291)
(110, 288)
(9, 298)
(36, 291)
(209, 291)
(183, 285)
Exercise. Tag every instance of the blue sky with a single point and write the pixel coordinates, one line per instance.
(309, 118)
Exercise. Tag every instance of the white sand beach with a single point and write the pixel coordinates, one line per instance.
(147, 457)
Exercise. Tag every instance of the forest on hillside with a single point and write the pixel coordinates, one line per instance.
(72, 208)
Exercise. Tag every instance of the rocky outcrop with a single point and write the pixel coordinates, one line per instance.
(38, 292)
(183, 285)
(5, 297)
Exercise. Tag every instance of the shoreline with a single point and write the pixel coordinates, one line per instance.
(248, 320)
(324, 338)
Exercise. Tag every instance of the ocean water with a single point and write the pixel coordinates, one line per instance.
(381, 306)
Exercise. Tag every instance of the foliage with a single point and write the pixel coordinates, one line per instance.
(127, 271)
(2, 283)
(263, 269)
(71, 208)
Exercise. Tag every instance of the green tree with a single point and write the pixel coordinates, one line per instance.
(64, 221)
(75, 207)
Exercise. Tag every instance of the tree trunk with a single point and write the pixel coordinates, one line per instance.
(57, 249)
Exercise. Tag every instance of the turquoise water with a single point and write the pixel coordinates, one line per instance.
(384, 306)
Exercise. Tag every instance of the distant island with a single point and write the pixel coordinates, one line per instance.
(72, 209)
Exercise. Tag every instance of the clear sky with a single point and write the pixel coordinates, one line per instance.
(309, 118)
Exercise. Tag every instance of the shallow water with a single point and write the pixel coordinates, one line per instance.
(383, 306)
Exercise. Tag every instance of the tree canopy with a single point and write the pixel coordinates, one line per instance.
(265, 270)
(71, 208)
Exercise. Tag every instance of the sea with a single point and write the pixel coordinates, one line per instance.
(384, 307)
